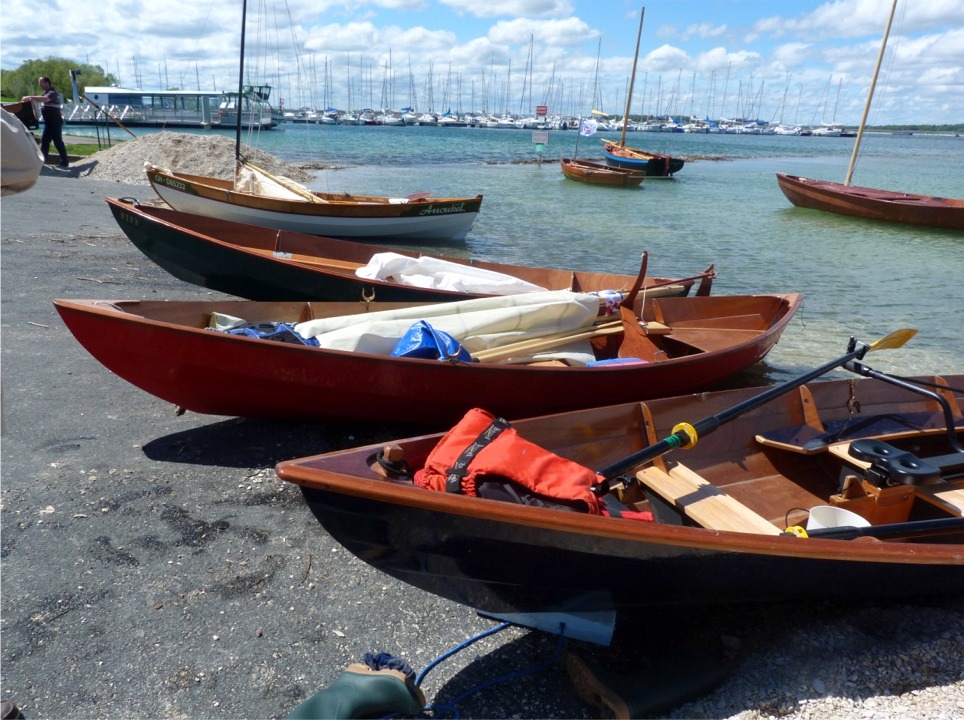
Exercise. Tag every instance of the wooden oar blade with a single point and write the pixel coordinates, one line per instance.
(896, 339)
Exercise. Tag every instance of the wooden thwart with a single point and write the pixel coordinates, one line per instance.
(703, 502)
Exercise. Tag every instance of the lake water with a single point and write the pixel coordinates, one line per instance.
(859, 278)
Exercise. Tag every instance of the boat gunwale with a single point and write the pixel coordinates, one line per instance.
(118, 310)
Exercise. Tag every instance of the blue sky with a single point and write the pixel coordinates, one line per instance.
(804, 61)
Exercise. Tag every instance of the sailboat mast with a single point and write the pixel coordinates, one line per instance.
(237, 139)
(870, 95)
(632, 78)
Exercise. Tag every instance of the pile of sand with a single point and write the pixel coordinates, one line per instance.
(210, 154)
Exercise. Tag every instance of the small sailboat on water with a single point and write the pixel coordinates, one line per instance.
(620, 156)
(870, 203)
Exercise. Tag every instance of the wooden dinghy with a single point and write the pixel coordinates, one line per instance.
(259, 263)
(721, 508)
(599, 174)
(650, 163)
(871, 204)
(567, 357)
(280, 203)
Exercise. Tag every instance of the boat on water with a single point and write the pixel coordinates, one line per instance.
(520, 355)
(618, 155)
(873, 204)
(869, 203)
(259, 263)
(651, 163)
(257, 198)
(801, 497)
(166, 108)
(598, 174)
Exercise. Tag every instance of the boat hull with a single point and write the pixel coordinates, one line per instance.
(872, 204)
(502, 557)
(165, 349)
(339, 216)
(596, 174)
(263, 264)
(652, 164)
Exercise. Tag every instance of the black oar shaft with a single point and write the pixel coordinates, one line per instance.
(916, 528)
(713, 422)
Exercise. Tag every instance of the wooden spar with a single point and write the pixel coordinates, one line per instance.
(870, 96)
(632, 78)
(237, 136)
(285, 183)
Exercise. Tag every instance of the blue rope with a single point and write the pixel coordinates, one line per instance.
(459, 648)
(452, 706)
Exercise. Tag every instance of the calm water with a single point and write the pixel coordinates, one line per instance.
(859, 278)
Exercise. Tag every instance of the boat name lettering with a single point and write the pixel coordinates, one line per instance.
(444, 210)
(170, 182)
(129, 218)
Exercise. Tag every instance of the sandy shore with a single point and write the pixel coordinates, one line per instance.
(154, 566)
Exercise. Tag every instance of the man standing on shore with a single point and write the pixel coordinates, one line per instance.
(53, 119)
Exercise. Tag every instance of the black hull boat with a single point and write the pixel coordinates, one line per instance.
(769, 469)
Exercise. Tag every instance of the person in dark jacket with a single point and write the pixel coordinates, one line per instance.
(50, 111)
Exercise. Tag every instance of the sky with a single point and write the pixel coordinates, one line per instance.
(798, 62)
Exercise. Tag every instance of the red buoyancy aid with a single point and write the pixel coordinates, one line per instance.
(482, 445)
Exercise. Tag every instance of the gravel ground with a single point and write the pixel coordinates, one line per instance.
(154, 566)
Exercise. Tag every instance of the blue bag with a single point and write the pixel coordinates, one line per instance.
(424, 341)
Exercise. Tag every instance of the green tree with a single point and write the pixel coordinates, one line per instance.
(23, 80)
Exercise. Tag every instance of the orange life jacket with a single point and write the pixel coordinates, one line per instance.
(482, 447)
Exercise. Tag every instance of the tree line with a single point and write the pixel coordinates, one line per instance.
(23, 81)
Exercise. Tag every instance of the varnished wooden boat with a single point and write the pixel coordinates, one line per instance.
(599, 174)
(357, 217)
(650, 163)
(166, 349)
(721, 507)
(870, 204)
(259, 263)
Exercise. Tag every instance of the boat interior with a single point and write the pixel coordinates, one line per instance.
(890, 463)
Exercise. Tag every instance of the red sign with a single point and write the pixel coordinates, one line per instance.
(542, 110)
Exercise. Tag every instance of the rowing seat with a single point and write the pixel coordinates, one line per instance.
(948, 496)
(703, 502)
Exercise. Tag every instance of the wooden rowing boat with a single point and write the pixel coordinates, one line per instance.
(263, 264)
(721, 508)
(167, 349)
(871, 204)
(599, 174)
(280, 203)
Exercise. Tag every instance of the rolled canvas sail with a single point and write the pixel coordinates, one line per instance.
(477, 324)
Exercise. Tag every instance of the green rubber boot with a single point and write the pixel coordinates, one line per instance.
(360, 692)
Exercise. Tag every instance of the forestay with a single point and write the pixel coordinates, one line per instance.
(430, 272)
(477, 324)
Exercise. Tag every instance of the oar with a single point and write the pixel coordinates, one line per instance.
(914, 528)
(547, 342)
(686, 435)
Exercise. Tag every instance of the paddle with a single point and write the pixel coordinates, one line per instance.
(686, 435)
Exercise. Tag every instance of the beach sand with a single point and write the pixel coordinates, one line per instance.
(154, 566)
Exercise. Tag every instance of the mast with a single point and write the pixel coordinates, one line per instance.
(632, 79)
(237, 138)
(870, 96)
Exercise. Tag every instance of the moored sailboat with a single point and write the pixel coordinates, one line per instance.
(618, 155)
(869, 203)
